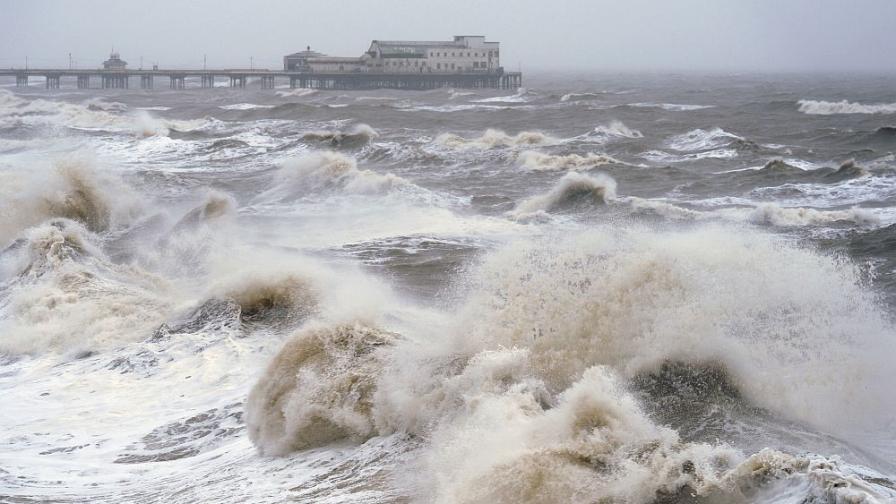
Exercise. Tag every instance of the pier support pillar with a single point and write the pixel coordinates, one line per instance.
(177, 82)
(146, 82)
(83, 82)
(267, 82)
(52, 82)
(115, 81)
(21, 80)
(238, 81)
(208, 81)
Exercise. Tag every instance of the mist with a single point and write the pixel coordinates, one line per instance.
(585, 35)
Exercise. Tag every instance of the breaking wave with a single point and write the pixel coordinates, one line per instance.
(295, 93)
(534, 160)
(576, 192)
(699, 139)
(580, 96)
(611, 302)
(776, 215)
(816, 107)
(359, 134)
(527, 398)
(272, 297)
(573, 190)
(519, 97)
(71, 190)
(245, 106)
(65, 296)
(327, 171)
(495, 138)
(318, 389)
(612, 131)
(672, 107)
(91, 115)
(665, 157)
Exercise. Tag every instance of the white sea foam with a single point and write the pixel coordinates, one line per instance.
(92, 115)
(818, 107)
(318, 389)
(521, 96)
(72, 189)
(245, 106)
(297, 92)
(673, 107)
(538, 161)
(324, 171)
(659, 156)
(492, 138)
(699, 139)
(612, 131)
(580, 96)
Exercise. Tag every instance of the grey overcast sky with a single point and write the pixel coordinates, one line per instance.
(654, 35)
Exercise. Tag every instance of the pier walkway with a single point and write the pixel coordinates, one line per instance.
(238, 78)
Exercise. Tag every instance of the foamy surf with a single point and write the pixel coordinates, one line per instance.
(820, 107)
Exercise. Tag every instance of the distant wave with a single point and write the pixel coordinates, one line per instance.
(580, 96)
(358, 134)
(816, 107)
(496, 138)
(91, 115)
(538, 161)
(614, 130)
(297, 92)
(326, 171)
(519, 97)
(674, 107)
(245, 106)
(700, 139)
(659, 156)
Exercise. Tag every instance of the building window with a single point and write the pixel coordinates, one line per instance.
(452, 66)
(438, 66)
(475, 64)
(452, 55)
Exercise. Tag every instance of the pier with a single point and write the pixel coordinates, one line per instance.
(239, 78)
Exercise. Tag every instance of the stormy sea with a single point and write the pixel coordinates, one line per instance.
(636, 288)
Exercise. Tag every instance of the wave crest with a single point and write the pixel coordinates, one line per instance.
(572, 190)
(537, 161)
(359, 134)
(819, 107)
(70, 190)
(328, 171)
(67, 297)
(495, 138)
(612, 131)
(318, 389)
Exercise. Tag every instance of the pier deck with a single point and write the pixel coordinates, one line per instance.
(238, 78)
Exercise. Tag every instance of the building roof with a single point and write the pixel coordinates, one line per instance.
(434, 43)
(306, 54)
(114, 60)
